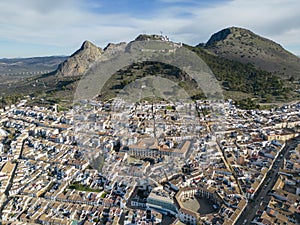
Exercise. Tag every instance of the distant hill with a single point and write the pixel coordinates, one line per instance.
(15, 72)
(32, 65)
(244, 46)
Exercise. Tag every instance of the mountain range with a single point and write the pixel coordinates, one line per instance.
(247, 66)
(232, 43)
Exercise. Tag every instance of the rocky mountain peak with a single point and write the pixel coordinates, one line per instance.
(87, 43)
(228, 33)
(112, 46)
(219, 36)
(78, 63)
(89, 48)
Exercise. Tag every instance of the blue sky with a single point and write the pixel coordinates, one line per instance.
(58, 27)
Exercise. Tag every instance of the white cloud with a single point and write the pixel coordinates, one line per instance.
(67, 23)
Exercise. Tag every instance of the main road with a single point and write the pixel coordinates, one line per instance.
(262, 194)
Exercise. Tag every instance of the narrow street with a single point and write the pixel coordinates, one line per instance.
(262, 194)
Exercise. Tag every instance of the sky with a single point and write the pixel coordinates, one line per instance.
(58, 27)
